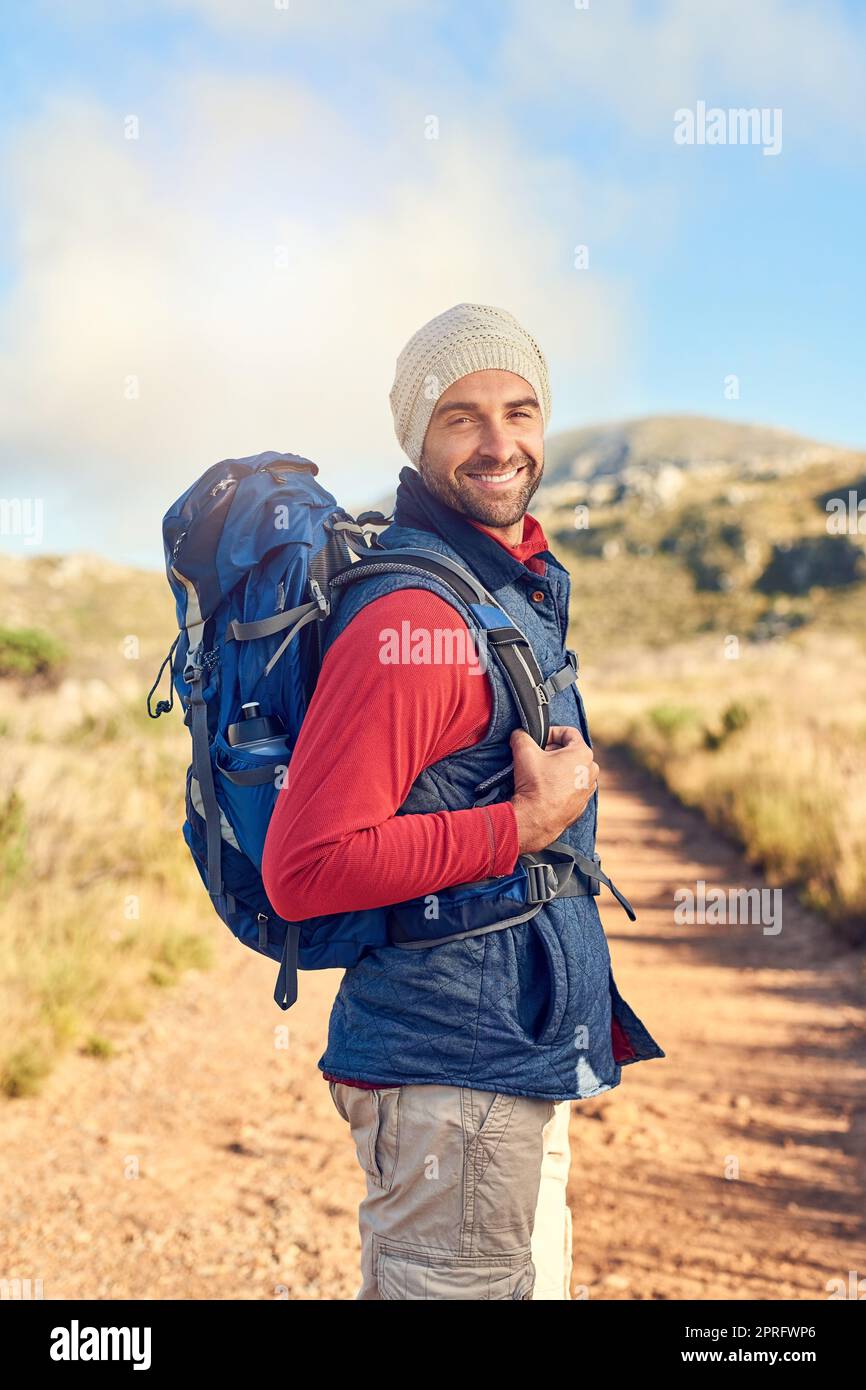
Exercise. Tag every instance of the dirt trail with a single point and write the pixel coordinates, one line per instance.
(206, 1159)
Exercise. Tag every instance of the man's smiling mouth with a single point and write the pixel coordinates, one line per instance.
(495, 480)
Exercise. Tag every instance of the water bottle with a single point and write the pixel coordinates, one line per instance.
(259, 733)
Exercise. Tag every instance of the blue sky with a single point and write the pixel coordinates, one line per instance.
(243, 274)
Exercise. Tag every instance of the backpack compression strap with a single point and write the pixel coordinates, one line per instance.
(292, 618)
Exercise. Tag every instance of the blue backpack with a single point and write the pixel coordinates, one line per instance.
(256, 552)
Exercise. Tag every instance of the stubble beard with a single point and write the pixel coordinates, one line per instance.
(459, 493)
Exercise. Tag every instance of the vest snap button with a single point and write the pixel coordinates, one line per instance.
(537, 596)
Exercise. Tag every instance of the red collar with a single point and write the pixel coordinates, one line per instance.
(534, 539)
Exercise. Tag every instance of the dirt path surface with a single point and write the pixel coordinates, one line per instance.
(206, 1159)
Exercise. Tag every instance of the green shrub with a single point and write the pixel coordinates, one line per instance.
(27, 653)
(670, 720)
(735, 717)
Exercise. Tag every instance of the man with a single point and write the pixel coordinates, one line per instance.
(455, 1065)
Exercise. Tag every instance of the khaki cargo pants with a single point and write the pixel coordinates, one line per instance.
(465, 1192)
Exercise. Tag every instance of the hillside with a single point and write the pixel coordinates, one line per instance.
(715, 551)
(691, 443)
(91, 605)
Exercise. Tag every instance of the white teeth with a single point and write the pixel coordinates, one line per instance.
(495, 477)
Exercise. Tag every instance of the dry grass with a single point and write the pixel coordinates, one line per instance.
(99, 899)
(771, 746)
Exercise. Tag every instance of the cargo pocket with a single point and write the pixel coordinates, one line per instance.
(404, 1275)
(501, 1175)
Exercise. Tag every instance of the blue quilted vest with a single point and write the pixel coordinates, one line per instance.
(530, 1009)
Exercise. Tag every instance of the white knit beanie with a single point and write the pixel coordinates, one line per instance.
(467, 338)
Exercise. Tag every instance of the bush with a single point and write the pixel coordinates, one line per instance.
(663, 731)
(670, 720)
(30, 654)
(734, 718)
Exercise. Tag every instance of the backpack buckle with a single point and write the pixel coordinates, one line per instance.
(319, 597)
(194, 664)
(594, 884)
(543, 884)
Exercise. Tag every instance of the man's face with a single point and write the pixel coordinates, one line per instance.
(483, 451)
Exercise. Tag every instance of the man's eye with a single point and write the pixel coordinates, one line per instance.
(459, 419)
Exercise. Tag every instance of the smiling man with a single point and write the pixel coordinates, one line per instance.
(455, 1065)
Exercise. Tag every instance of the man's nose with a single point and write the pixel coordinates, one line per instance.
(496, 445)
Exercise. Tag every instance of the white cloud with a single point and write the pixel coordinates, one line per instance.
(158, 260)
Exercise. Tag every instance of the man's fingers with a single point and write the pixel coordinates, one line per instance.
(586, 776)
(563, 734)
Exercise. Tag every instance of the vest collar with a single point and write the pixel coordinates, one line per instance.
(417, 507)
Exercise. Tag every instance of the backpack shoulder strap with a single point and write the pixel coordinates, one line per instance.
(509, 643)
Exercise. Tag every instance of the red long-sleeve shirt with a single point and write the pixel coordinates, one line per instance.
(335, 842)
